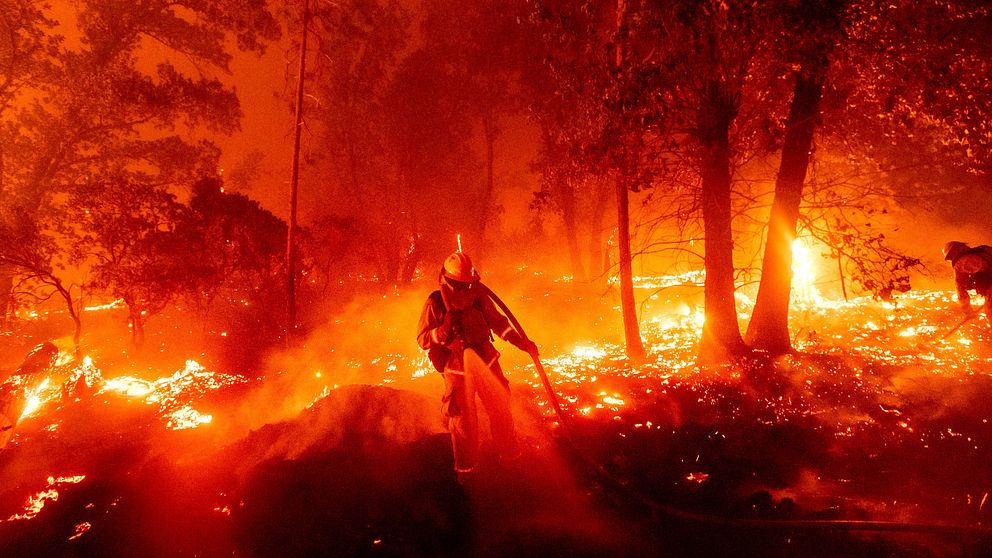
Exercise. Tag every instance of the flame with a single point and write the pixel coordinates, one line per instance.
(172, 394)
(187, 417)
(129, 386)
(119, 303)
(803, 274)
(81, 529)
(588, 352)
(37, 501)
(34, 400)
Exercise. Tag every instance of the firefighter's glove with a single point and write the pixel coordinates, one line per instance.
(522, 343)
(451, 327)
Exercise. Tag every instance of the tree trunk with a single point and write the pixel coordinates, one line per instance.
(599, 266)
(66, 294)
(412, 256)
(769, 326)
(137, 327)
(631, 331)
(294, 183)
(721, 339)
(566, 203)
(6, 295)
(485, 200)
(410, 266)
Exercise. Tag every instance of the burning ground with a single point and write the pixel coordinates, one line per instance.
(337, 448)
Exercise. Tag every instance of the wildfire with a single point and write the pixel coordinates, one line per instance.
(187, 417)
(37, 501)
(119, 303)
(129, 386)
(172, 394)
(698, 478)
(81, 529)
(803, 274)
(595, 382)
(34, 400)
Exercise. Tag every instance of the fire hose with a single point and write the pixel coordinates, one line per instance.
(664, 509)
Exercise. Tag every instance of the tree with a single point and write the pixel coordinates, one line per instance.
(32, 258)
(239, 248)
(592, 122)
(96, 116)
(132, 234)
(26, 50)
(486, 48)
(816, 27)
(565, 91)
(357, 45)
(429, 136)
(907, 85)
(706, 58)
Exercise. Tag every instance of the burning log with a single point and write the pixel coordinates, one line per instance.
(17, 391)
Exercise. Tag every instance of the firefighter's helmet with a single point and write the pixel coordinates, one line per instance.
(458, 267)
(953, 249)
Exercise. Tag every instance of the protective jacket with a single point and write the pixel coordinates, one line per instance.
(973, 270)
(478, 320)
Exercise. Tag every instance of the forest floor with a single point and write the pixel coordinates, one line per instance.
(336, 448)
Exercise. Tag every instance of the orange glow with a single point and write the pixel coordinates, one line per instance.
(35, 400)
(81, 529)
(187, 417)
(803, 273)
(172, 394)
(129, 386)
(37, 501)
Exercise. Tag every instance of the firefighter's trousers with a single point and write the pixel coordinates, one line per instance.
(460, 412)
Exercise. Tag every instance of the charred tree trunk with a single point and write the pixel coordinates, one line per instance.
(568, 216)
(410, 266)
(6, 295)
(721, 339)
(412, 256)
(294, 182)
(769, 326)
(631, 331)
(490, 132)
(137, 326)
(73, 309)
(599, 266)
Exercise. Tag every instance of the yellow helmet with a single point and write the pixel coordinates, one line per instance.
(953, 249)
(458, 267)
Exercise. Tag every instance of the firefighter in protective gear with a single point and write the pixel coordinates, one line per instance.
(972, 271)
(456, 328)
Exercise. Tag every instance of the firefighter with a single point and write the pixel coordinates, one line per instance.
(972, 270)
(456, 328)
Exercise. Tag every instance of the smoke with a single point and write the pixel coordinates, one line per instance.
(370, 341)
